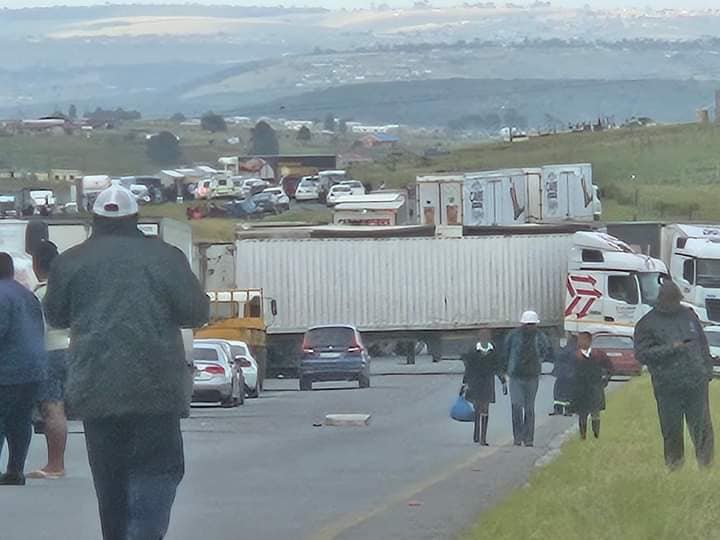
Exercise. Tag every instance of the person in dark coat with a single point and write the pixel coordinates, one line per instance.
(564, 373)
(592, 374)
(125, 299)
(23, 366)
(671, 342)
(482, 365)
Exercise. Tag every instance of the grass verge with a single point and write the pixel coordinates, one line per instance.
(612, 489)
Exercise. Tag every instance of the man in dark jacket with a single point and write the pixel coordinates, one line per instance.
(22, 368)
(527, 348)
(671, 342)
(125, 298)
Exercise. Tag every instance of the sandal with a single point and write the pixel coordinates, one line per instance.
(43, 475)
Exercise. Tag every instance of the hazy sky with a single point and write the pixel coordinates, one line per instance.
(353, 3)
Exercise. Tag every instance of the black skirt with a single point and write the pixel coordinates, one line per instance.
(588, 397)
(481, 390)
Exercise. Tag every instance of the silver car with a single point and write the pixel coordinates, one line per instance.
(217, 378)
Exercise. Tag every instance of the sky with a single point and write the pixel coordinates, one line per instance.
(352, 3)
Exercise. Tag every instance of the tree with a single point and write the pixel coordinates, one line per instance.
(72, 112)
(213, 122)
(342, 126)
(163, 148)
(178, 117)
(304, 134)
(263, 140)
(330, 122)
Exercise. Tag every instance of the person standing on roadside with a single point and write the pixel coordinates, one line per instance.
(564, 373)
(52, 390)
(527, 348)
(125, 299)
(22, 368)
(671, 342)
(592, 374)
(482, 365)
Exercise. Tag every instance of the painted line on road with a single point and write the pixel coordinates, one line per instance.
(335, 529)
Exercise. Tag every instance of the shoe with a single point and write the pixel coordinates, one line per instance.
(529, 445)
(44, 475)
(517, 443)
(12, 479)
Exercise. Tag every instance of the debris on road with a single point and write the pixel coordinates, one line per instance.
(347, 420)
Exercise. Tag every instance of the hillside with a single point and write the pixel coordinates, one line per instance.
(540, 102)
(676, 168)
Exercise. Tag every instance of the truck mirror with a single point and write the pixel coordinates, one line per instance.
(273, 307)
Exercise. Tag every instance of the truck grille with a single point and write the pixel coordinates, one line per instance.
(713, 309)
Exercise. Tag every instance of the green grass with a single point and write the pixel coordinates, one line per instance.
(675, 165)
(613, 489)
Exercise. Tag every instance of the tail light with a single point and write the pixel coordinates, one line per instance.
(306, 348)
(355, 347)
(214, 369)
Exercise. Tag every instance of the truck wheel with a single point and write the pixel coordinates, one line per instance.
(305, 384)
(364, 381)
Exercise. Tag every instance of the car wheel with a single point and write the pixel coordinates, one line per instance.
(254, 393)
(364, 380)
(305, 384)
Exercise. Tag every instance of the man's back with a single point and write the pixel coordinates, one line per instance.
(124, 298)
(22, 353)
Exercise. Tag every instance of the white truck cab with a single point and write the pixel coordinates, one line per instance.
(609, 286)
(692, 253)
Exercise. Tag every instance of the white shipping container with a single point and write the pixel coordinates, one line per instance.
(568, 193)
(496, 198)
(408, 283)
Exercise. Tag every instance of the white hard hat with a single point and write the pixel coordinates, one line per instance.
(529, 317)
(115, 202)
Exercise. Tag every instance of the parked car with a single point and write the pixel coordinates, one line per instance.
(244, 358)
(217, 377)
(356, 187)
(713, 337)
(253, 186)
(333, 353)
(308, 189)
(337, 191)
(282, 201)
(266, 203)
(620, 351)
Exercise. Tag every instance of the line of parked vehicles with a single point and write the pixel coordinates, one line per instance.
(226, 371)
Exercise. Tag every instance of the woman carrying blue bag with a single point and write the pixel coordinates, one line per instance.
(482, 365)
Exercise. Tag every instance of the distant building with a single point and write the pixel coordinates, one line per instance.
(389, 128)
(297, 125)
(65, 175)
(375, 140)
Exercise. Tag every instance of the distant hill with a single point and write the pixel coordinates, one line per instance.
(438, 102)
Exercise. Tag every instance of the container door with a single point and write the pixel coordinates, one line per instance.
(451, 201)
(478, 202)
(512, 200)
(533, 182)
(429, 202)
(553, 209)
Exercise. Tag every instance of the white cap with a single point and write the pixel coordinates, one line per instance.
(529, 317)
(115, 202)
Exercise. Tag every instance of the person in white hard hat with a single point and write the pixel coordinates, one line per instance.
(125, 298)
(527, 348)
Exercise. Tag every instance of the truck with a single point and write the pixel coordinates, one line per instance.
(548, 194)
(406, 285)
(692, 255)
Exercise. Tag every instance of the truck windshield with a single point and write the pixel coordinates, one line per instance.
(649, 286)
(708, 273)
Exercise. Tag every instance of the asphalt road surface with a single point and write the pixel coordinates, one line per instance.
(265, 470)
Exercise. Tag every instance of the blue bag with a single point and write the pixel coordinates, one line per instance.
(462, 410)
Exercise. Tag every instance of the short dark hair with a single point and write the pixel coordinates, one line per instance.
(7, 268)
(44, 255)
(585, 334)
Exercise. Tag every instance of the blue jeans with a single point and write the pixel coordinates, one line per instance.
(137, 464)
(16, 406)
(523, 391)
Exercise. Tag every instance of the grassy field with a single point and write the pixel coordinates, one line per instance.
(616, 488)
(676, 167)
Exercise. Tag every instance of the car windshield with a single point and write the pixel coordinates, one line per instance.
(612, 342)
(708, 273)
(649, 286)
(335, 336)
(203, 353)
(341, 189)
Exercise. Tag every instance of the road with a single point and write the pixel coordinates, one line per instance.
(267, 471)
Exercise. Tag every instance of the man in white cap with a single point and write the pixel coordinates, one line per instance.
(527, 348)
(125, 298)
